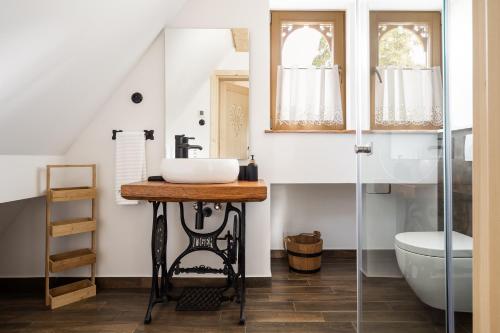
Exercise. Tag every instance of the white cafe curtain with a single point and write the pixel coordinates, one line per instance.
(309, 96)
(408, 97)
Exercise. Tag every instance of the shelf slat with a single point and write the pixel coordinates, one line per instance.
(72, 194)
(71, 227)
(71, 293)
(72, 259)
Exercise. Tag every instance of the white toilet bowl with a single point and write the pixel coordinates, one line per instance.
(421, 258)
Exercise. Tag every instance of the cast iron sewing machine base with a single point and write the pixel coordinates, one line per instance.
(232, 254)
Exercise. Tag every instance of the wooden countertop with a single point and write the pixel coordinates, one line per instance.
(238, 191)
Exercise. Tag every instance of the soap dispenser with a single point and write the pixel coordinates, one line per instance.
(252, 173)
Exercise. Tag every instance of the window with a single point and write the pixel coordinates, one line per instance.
(307, 71)
(405, 57)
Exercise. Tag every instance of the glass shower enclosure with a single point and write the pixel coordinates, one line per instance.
(414, 165)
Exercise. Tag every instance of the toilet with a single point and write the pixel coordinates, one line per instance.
(421, 258)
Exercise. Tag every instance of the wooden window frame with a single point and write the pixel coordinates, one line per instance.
(335, 17)
(433, 20)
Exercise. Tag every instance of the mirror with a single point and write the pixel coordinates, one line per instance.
(207, 93)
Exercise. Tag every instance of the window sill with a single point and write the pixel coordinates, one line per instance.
(403, 131)
(312, 131)
(270, 131)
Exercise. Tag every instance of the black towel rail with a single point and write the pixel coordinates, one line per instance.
(149, 134)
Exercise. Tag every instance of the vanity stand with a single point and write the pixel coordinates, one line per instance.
(199, 298)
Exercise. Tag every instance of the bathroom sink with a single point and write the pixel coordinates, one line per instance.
(199, 170)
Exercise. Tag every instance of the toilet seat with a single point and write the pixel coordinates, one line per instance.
(432, 243)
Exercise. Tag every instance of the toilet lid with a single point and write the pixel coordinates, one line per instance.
(431, 243)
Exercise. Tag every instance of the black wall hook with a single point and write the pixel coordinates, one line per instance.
(149, 134)
(136, 97)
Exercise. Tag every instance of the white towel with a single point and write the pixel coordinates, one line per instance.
(130, 162)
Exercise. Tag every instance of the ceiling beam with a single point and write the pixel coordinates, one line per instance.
(240, 39)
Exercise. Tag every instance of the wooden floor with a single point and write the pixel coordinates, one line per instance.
(323, 302)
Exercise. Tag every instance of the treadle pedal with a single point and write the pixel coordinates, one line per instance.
(200, 299)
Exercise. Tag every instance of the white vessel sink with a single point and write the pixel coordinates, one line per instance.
(199, 170)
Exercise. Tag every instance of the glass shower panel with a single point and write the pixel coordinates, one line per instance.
(401, 239)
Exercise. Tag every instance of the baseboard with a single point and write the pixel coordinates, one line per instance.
(145, 282)
(337, 254)
(32, 284)
(37, 284)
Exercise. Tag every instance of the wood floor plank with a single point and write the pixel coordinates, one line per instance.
(335, 283)
(341, 316)
(380, 316)
(326, 306)
(300, 328)
(179, 328)
(262, 306)
(389, 327)
(290, 290)
(274, 316)
(14, 327)
(408, 305)
(296, 297)
(287, 282)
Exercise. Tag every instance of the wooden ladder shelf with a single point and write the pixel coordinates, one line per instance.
(58, 262)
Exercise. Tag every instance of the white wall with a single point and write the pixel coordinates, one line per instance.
(328, 208)
(191, 57)
(23, 176)
(333, 4)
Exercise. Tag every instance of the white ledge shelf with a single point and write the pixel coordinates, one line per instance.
(270, 131)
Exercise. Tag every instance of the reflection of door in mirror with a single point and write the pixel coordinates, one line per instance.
(233, 120)
(229, 132)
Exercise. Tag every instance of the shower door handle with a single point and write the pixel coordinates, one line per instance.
(364, 149)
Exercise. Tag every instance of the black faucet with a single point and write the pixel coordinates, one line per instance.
(182, 146)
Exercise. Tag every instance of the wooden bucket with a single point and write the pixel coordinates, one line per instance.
(304, 252)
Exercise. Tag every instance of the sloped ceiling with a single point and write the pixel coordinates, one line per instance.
(60, 60)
